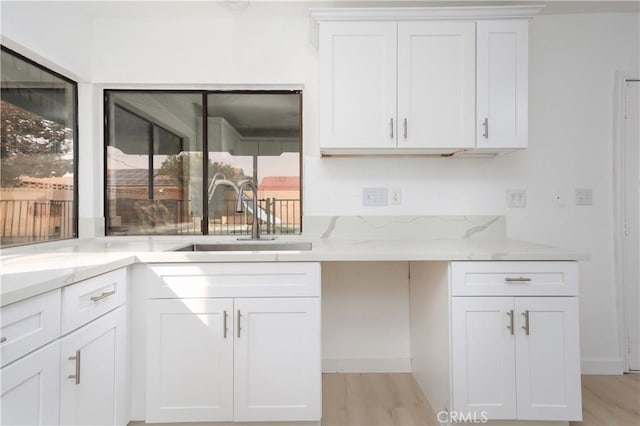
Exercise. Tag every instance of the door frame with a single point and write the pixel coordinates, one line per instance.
(622, 306)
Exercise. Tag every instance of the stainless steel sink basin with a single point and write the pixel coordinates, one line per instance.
(249, 246)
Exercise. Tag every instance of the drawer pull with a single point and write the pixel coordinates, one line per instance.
(517, 280)
(3, 339)
(239, 323)
(77, 375)
(103, 295)
(526, 322)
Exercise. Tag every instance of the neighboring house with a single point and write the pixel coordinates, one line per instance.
(286, 192)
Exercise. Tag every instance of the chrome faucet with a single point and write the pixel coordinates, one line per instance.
(255, 226)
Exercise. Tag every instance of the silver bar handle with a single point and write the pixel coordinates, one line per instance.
(77, 375)
(3, 339)
(485, 123)
(526, 322)
(510, 326)
(103, 295)
(405, 127)
(239, 328)
(225, 329)
(391, 127)
(517, 280)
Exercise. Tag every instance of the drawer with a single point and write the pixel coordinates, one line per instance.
(170, 281)
(549, 278)
(87, 300)
(28, 325)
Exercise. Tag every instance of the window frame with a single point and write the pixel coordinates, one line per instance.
(76, 145)
(204, 226)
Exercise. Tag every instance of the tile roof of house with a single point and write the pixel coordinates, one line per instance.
(280, 183)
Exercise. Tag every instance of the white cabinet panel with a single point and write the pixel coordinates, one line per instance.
(31, 389)
(189, 360)
(95, 356)
(358, 85)
(502, 78)
(483, 362)
(436, 84)
(170, 281)
(277, 359)
(548, 366)
(29, 324)
(530, 278)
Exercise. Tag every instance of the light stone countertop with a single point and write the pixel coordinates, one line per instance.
(28, 271)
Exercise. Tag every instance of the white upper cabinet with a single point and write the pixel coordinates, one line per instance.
(502, 78)
(423, 80)
(436, 84)
(358, 85)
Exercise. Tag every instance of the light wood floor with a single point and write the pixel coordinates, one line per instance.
(396, 400)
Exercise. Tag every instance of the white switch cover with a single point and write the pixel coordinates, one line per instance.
(516, 198)
(584, 197)
(395, 194)
(374, 197)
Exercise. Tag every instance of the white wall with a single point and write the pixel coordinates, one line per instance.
(572, 63)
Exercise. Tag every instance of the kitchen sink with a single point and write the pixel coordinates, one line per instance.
(249, 246)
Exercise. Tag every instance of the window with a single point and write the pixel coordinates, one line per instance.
(38, 147)
(156, 152)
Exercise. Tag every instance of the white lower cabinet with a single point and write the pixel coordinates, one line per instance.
(277, 371)
(31, 388)
(238, 357)
(189, 360)
(516, 357)
(94, 385)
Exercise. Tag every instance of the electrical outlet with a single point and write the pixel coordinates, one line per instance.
(516, 198)
(374, 197)
(584, 197)
(396, 196)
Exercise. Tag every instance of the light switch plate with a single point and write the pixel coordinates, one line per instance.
(516, 198)
(584, 197)
(395, 195)
(374, 197)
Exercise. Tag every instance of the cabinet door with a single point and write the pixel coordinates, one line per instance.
(31, 388)
(436, 84)
(277, 359)
(502, 84)
(483, 363)
(548, 358)
(358, 85)
(95, 356)
(189, 360)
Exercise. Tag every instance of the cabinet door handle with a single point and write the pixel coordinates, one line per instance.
(3, 339)
(485, 123)
(239, 328)
(391, 127)
(405, 127)
(526, 322)
(77, 375)
(224, 325)
(104, 295)
(517, 280)
(510, 326)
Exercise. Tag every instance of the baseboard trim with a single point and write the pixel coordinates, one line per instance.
(366, 365)
(602, 366)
